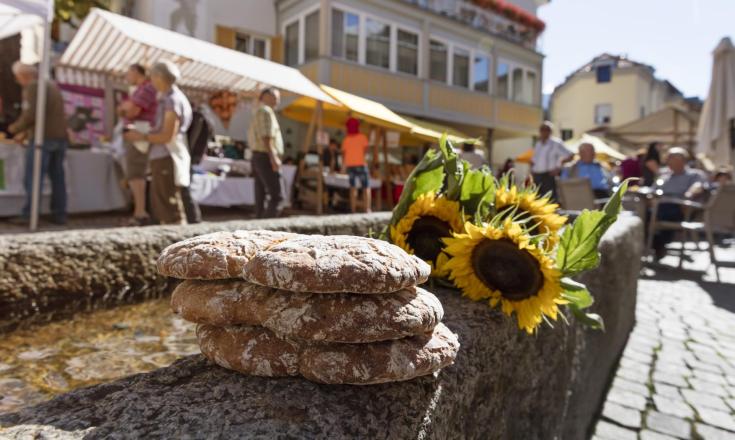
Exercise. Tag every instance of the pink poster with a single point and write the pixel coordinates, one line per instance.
(85, 112)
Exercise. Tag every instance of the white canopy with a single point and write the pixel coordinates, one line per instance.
(108, 43)
(674, 125)
(602, 149)
(16, 15)
(713, 135)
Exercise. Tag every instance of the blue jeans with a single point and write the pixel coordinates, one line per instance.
(52, 162)
(361, 173)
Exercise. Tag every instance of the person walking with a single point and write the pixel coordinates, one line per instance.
(55, 139)
(139, 112)
(354, 147)
(549, 155)
(264, 137)
(169, 154)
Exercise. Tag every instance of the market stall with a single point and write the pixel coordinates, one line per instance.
(382, 124)
(92, 181)
(100, 53)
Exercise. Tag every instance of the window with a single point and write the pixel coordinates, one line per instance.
(517, 86)
(502, 80)
(408, 52)
(259, 48)
(438, 61)
(242, 43)
(311, 36)
(567, 134)
(604, 74)
(529, 90)
(345, 34)
(377, 43)
(291, 42)
(251, 45)
(603, 114)
(461, 68)
(481, 73)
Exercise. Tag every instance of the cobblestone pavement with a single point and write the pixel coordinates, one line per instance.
(676, 378)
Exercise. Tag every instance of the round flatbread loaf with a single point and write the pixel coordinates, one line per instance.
(258, 351)
(336, 263)
(216, 256)
(252, 350)
(331, 317)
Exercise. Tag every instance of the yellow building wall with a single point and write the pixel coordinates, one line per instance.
(372, 83)
(518, 115)
(573, 106)
(457, 100)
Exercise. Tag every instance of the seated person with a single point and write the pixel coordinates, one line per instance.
(588, 168)
(471, 155)
(676, 181)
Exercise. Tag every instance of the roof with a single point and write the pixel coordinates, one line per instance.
(619, 62)
(108, 43)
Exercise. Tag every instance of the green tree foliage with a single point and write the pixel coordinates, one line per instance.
(71, 11)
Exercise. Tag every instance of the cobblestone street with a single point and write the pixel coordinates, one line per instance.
(676, 378)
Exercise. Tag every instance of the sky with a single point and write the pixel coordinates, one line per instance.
(676, 37)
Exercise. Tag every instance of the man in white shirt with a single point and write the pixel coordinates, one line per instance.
(549, 155)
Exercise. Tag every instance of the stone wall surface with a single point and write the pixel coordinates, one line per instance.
(504, 384)
(49, 275)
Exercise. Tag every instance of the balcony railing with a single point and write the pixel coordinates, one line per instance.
(482, 19)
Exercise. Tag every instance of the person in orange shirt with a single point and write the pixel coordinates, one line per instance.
(354, 147)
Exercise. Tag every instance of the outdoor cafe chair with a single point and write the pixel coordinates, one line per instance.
(576, 194)
(718, 216)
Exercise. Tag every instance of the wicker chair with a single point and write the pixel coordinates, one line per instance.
(718, 217)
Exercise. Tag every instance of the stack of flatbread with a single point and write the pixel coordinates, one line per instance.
(333, 309)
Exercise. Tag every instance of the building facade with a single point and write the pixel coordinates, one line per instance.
(607, 92)
(459, 63)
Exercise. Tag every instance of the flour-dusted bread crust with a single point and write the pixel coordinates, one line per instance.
(251, 350)
(380, 362)
(337, 263)
(216, 256)
(258, 351)
(331, 317)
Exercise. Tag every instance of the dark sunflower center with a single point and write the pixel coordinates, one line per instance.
(502, 266)
(425, 237)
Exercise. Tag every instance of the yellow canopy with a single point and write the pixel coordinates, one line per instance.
(603, 151)
(431, 132)
(372, 112)
(348, 104)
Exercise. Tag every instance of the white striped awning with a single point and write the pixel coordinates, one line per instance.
(109, 43)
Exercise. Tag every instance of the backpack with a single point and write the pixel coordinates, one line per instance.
(198, 136)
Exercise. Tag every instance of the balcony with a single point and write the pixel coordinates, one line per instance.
(503, 19)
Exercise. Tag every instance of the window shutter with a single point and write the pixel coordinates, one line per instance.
(277, 49)
(225, 36)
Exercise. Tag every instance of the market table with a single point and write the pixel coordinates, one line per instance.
(338, 180)
(92, 182)
(227, 191)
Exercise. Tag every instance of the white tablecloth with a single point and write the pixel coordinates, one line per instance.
(343, 181)
(211, 190)
(92, 182)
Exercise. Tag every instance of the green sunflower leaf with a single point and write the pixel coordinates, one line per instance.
(454, 167)
(592, 320)
(477, 193)
(419, 182)
(576, 293)
(577, 250)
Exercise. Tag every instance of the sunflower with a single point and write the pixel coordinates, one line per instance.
(532, 206)
(499, 263)
(420, 231)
